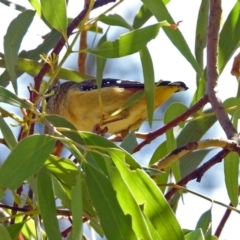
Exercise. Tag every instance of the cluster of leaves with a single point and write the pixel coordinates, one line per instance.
(104, 186)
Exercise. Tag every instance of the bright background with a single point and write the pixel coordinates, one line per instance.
(169, 64)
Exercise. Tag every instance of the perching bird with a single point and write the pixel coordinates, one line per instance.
(80, 103)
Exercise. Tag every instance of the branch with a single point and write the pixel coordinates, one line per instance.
(152, 135)
(199, 172)
(223, 222)
(212, 71)
(176, 154)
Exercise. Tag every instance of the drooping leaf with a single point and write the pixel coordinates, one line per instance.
(229, 37)
(231, 166)
(55, 13)
(196, 235)
(12, 41)
(15, 229)
(115, 223)
(205, 224)
(4, 235)
(46, 202)
(114, 20)
(77, 209)
(128, 43)
(149, 82)
(63, 169)
(155, 206)
(25, 160)
(159, 10)
(10, 98)
(7, 134)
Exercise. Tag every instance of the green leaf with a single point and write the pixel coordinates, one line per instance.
(231, 166)
(15, 229)
(141, 17)
(173, 111)
(4, 235)
(46, 202)
(194, 130)
(231, 105)
(55, 13)
(154, 205)
(229, 37)
(62, 193)
(7, 134)
(134, 98)
(12, 41)
(140, 223)
(161, 13)
(129, 142)
(100, 63)
(149, 82)
(201, 32)
(115, 223)
(12, 99)
(114, 20)
(25, 160)
(196, 235)
(76, 209)
(129, 43)
(205, 224)
(63, 169)
(33, 67)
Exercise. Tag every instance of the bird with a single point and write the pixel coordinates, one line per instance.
(89, 109)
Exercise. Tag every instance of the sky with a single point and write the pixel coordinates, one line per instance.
(168, 65)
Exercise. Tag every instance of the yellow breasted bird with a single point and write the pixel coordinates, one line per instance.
(79, 103)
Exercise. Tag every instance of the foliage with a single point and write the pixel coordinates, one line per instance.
(99, 183)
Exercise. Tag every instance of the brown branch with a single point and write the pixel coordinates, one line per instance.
(212, 71)
(179, 152)
(199, 172)
(223, 221)
(152, 135)
(73, 25)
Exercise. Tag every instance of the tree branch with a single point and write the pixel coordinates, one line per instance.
(212, 71)
(152, 135)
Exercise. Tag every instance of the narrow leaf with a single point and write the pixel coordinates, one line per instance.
(115, 223)
(149, 82)
(76, 209)
(196, 235)
(12, 41)
(114, 20)
(155, 206)
(47, 205)
(229, 36)
(129, 43)
(159, 10)
(231, 166)
(4, 235)
(25, 160)
(55, 13)
(12, 99)
(7, 134)
(63, 169)
(15, 229)
(205, 224)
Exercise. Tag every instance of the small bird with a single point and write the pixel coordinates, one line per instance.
(86, 107)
